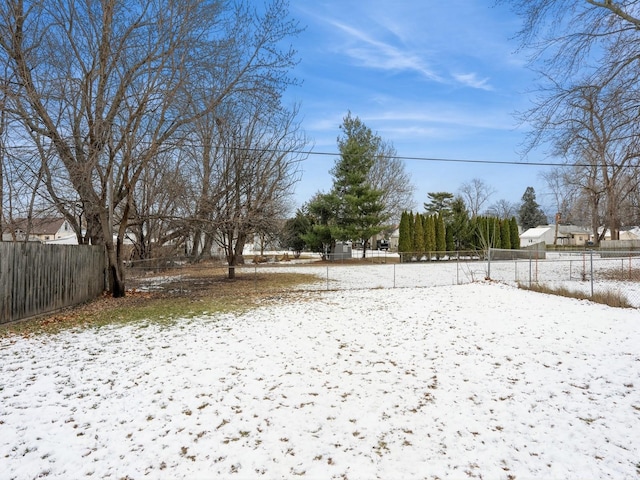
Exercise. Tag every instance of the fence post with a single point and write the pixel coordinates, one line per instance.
(530, 266)
(327, 277)
(394, 275)
(489, 263)
(591, 273)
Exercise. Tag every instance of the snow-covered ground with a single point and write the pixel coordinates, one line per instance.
(574, 271)
(480, 380)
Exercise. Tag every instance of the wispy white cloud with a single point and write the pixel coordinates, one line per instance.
(377, 54)
(374, 53)
(472, 80)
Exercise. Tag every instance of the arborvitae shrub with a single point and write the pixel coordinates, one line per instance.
(418, 235)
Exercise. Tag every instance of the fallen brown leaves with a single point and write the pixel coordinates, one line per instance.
(184, 286)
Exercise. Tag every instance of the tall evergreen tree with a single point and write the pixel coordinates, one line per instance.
(441, 242)
(430, 233)
(505, 234)
(425, 231)
(404, 233)
(460, 225)
(294, 229)
(320, 211)
(494, 224)
(531, 215)
(450, 241)
(418, 235)
(359, 214)
(411, 227)
(439, 202)
(514, 234)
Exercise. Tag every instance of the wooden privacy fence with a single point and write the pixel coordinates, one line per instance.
(37, 279)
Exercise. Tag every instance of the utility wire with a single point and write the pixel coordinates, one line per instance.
(448, 160)
(399, 157)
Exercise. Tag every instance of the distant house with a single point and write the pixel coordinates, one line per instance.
(630, 233)
(45, 230)
(625, 233)
(543, 234)
(572, 235)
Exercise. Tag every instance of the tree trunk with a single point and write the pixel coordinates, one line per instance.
(234, 254)
(116, 269)
(612, 221)
(207, 245)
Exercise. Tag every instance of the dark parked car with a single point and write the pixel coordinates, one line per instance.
(383, 244)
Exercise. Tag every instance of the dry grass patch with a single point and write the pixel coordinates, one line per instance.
(622, 274)
(611, 298)
(182, 293)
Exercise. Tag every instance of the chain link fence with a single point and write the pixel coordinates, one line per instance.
(588, 272)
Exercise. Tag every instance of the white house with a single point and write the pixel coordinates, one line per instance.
(45, 230)
(543, 234)
(567, 235)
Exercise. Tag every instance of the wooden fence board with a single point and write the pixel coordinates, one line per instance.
(37, 279)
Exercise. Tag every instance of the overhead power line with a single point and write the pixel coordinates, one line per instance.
(456, 160)
(459, 160)
(399, 157)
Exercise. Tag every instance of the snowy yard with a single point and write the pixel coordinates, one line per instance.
(480, 380)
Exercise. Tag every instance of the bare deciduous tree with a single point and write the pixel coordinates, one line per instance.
(596, 129)
(258, 166)
(568, 38)
(476, 193)
(587, 54)
(156, 214)
(107, 87)
(388, 175)
(562, 191)
(502, 209)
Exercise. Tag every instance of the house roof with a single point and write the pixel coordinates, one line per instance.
(563, 231)
(535, 232)
(573, 229)
(630, 233)
(39, 226)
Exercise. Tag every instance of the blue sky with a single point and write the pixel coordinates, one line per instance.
(437, 79)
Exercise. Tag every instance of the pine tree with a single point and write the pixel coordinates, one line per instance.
(531, 215)
(294, 229)
(320, 211)
(359, 213)
(439, 202)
